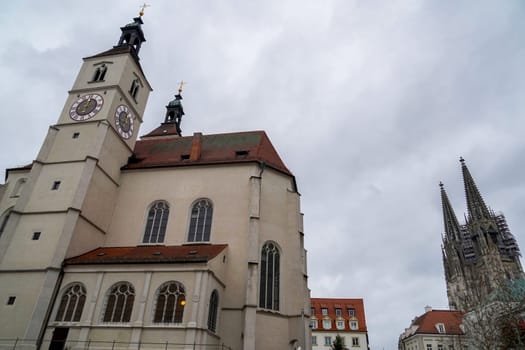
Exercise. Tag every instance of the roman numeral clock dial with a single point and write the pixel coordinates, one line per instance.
(124, 121)
(86, 107)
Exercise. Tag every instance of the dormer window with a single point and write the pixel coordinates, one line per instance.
(351, 312)
(100, 73)
(338, 312)
(324, 311)
(134, 89)
(440, 327)
(353, 325)
(313, 324)
(327, 324)
(340, 324)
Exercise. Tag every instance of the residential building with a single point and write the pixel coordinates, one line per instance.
(434, 330)
(345, 317)
(481, 254)
(167, 242)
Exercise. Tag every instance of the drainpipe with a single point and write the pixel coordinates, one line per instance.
(50, 307)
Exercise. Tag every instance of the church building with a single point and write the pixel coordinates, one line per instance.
(168, 241)
(481, 254)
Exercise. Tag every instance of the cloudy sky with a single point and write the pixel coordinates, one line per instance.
(370, 104)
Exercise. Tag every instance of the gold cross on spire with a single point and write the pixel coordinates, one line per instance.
(142, 8)
(181, 84)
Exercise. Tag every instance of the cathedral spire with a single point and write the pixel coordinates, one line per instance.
(477, 210)
(452, 230)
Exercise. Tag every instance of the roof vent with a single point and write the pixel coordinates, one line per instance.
(192, 252)
(101, 254)
(156, 253)
(241, 154)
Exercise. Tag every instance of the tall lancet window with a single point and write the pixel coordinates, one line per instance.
(200, 221)
(156, 223)
(212, 311)
(270, 278)
(71, 304)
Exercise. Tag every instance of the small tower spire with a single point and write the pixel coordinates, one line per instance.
(132, 34)
(477, 210)
(174, 110)
(452, 230)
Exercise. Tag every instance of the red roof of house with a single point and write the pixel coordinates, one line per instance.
(427, 322)
(238, 147)
(149, 254)
(338, 303)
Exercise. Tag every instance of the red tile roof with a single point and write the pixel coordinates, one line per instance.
(149, 254)
(427, 322)
(238, 147)
(344, 304)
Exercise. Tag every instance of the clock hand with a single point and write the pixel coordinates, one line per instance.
(85, 105)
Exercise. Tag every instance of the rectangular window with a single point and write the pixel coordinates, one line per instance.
(55, 186)
(324, 311)
(440, 347)
(429, 346)
(338, 312)
(327, 324)
(355, 341)
(11, 300)
(36, 236)
(76, 135)
(353, 325)
(327, 341)
(313, 323)
(312, 311)
(314, 340)
(351, 312)
(340, 324)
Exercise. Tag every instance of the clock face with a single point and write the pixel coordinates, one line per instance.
(86, 107)
(124, 121)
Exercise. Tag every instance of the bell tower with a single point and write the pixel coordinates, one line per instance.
(73, 184)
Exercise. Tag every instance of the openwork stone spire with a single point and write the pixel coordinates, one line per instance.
(452, 230)
(477, 209)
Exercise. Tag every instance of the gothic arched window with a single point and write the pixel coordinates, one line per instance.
(134, 89)
(119, 303)
(17, 190)
(269, 286)
(171, 299)
(3, 220)
(212, 311)
(100, 73)
(71, 304)
(156, 222)
(200, 221)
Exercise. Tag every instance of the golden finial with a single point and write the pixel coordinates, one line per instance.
(181, 84)
(142, 8)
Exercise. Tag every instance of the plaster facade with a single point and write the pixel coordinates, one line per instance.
(85, 193)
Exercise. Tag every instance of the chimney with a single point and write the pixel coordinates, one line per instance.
(428, 308)
(196, 146)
